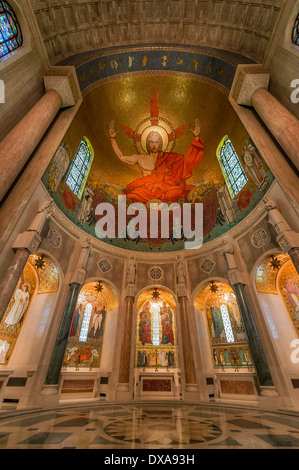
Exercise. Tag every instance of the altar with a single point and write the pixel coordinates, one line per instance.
(158, 384)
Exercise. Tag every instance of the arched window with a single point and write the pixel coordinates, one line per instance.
(230, 164)
(85, 323)
(227, 324)
(79, 170)
(10, 32)
(295, 31)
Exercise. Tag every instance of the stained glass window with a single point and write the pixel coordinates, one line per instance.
(295, 31)
(231, 166)
(227, 324)
(85, 323)
(10, 32)
(79, 170)
(155, 308)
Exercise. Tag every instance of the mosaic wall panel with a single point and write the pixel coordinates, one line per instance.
(156, 331)
(266, 275)
(229, 347)
(48, 278)
(288, 286)
(40, 276)
(84, 347)
(16, 312)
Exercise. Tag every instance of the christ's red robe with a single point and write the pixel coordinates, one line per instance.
(167, 182)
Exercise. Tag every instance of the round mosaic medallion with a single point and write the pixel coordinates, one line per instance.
(155, 273)
(54, 238)
(259, 238)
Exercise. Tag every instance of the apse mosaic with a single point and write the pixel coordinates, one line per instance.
(85, 342)
(229, 346)
(40, 276)
(156, 332)
(197, 156)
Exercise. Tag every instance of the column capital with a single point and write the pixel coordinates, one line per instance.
(64, 81)
(181, 289)
(285, 236)
(130, 290)
(79, 273)
(29, 241)
(236, 277)
(248, 79)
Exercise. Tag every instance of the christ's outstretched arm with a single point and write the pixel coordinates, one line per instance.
(132, 160)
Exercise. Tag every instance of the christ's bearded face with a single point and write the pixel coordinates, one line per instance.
(154, 142)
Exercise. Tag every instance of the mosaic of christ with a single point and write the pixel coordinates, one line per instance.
(155, 139)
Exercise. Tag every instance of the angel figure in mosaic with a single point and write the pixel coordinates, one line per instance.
(21, 302)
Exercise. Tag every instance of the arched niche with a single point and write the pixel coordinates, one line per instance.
(93, 331)
(32, 302)
(277, 285)
(221, 319)
(156, 330)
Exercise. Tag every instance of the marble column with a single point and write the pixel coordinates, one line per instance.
(257, 353)
(280, 122)
(19, 144)
(124, 366)
(77, 278)
(287, 239)
(256, 349)
(63, 334)
(189, 364)
(250, 89)
(25, 244)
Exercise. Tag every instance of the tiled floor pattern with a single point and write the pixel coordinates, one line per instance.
(150, 426)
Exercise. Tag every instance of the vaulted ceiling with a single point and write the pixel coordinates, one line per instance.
(241, 26)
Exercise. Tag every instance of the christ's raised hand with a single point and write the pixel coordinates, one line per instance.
(112, 132)
(196, 130)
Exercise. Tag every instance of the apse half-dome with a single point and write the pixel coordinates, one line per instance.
(170, 94)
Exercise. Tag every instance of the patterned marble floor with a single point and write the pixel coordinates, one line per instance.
(150, 426)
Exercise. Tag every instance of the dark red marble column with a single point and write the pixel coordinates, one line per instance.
(190, 375)
(124, 368)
